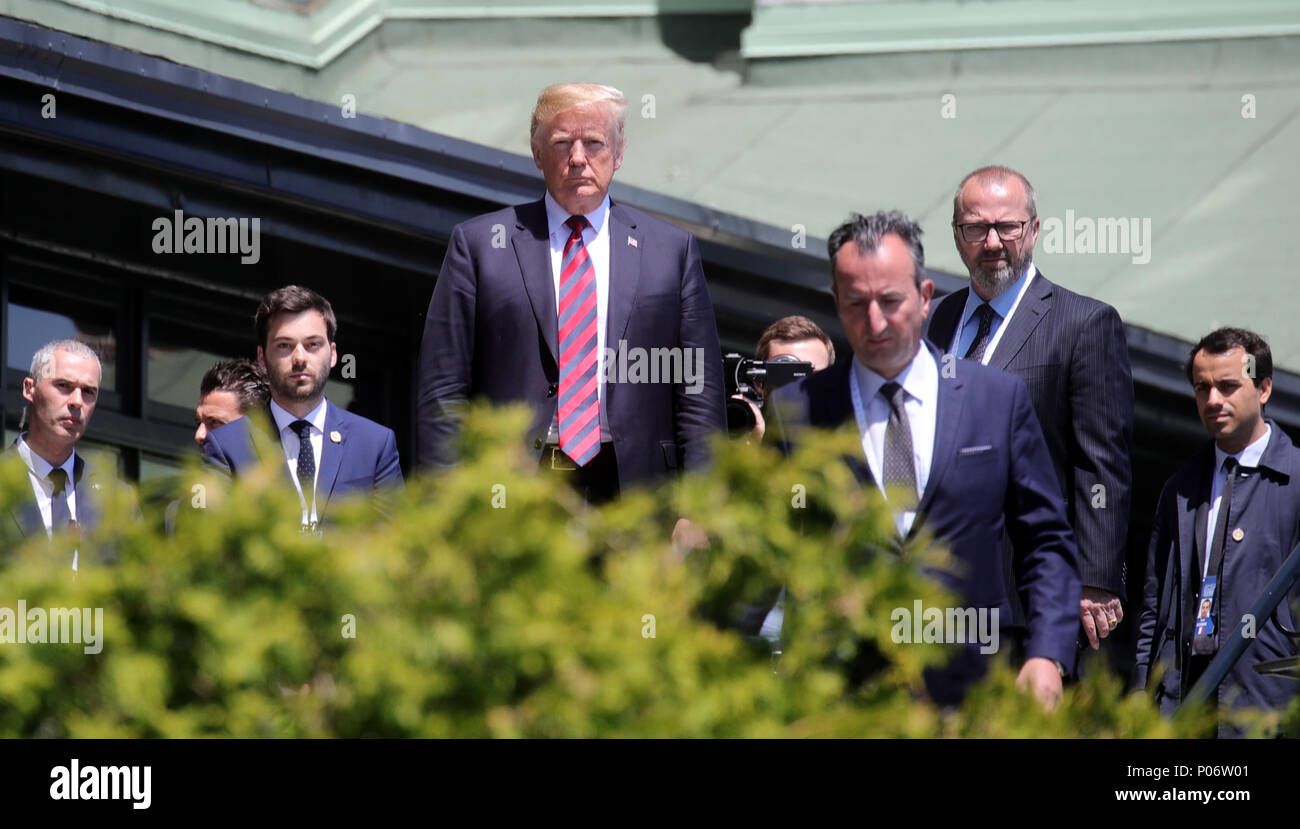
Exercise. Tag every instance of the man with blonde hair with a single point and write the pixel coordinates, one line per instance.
(560, 302)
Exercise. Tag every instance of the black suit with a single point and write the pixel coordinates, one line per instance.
(491, 333)
(1071, 353)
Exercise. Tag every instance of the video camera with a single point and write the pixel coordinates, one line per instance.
(750, 378)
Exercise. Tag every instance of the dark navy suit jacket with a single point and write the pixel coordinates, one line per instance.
(990, 471)
(1071, 352)
(364, 459)
(491, 332)
(1266, 508)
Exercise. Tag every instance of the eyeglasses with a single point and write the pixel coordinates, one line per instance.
(979, 231)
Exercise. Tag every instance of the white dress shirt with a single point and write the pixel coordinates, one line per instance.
(1246, 457)
(920, 382)
(38, 472)
(290, 441)
(1003, 305)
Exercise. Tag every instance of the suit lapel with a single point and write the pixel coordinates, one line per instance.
(26, 514)
(624, 273)
(1034, 305)
(833, 407)
(1200, 514)
(331, 457)
(533, 250)
(1193, 510)
(276, 446)
(87, 489)
(832, 402)
(948, 415)
(943, 327)
(28, 518)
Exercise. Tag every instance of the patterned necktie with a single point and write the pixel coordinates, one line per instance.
(306, 460)
(899, 468)
(976, 350)
(60, 514)
(579, 406)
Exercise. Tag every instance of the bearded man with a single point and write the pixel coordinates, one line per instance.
(327, 450)
(1071, 352)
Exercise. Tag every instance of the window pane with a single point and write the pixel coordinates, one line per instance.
(175, 372)
(159, 468)
(30, 328)
(176, 367)
(105, 457)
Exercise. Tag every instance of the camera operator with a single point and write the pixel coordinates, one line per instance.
(793, 339)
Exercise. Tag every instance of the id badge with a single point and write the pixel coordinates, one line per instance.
(1204, 612)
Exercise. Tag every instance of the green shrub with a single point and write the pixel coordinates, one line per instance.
(496, 604)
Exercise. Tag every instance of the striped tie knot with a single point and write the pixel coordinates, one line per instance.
(577, 224)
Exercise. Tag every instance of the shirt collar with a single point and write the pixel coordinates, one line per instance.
(1003, 302)
(556, 216)
(917, 378)
(283, 419)
(39, 466)
(1250, 456)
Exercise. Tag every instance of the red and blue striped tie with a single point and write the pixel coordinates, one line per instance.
(579, 406)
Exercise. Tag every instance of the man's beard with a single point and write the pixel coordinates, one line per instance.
(286, 388)
(997, 282)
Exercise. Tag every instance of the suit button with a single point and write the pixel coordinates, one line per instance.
(554, 387)
(537, 443)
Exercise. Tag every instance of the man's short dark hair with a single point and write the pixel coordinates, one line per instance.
(293, 299)
(868, 231)
(788, 329)
(242, 378)
(1224, 340)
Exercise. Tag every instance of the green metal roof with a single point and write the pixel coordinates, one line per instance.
(1193, 133)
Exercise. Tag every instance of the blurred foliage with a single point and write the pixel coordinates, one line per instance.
(498, 604)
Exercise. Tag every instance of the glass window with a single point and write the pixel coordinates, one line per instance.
(159, 477)
(183, 345)
(176, 371)
(30, 328)
(160, 467)
(104, 456)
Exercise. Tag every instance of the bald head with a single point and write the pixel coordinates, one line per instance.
(996, 177)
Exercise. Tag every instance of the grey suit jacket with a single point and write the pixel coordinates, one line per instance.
(24, 520)
(1071, 352)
